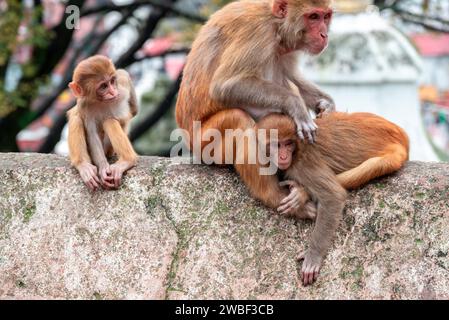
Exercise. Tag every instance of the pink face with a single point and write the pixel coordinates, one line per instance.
(285, 153)
(107, 89)
(317, 23)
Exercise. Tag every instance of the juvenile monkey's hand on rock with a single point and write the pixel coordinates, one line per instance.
(89, 175)
(117, 171)
(107, 180)
(310, 267)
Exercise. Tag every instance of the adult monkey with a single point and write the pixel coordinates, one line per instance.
(242, 66)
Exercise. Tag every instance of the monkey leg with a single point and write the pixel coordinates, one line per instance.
(79, 155)
(122, 146)
(394, 157)
(262, 187)
(77, 140)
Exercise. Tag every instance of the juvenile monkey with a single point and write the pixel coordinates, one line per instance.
(350, 150)
(98, 124)
(241, 68)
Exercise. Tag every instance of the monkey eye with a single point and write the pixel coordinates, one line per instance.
(113, 80)
(314, 16)
(328, 16)
(103, 86)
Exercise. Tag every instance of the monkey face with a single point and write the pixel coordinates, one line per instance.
(316, 25)
(106, 90)
(285, 150)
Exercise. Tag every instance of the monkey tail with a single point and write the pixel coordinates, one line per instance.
(395, 155)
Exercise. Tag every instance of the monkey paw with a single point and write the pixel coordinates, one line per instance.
(307, 129)
(107, 180)
(88, 173)
(324, 107)
(310, 267)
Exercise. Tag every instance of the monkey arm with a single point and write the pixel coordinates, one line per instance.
(314, 97)
(251, 91)
(133, 106)
(320, 181)
(77, 139)
(79, 154)
(96, 145)
(124, 79)
(122, 146)
(119, 140)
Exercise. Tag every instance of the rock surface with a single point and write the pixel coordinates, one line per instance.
(192, 232)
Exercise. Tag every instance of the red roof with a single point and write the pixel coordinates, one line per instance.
(432, 45)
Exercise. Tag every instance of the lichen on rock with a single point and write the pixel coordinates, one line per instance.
(177, 231)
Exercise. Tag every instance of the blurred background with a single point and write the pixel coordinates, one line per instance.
(390, 57)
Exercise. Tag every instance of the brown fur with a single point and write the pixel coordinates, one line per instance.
(99, 128)
(357, 147)
(236, 73)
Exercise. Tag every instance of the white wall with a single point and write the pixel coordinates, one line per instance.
(397, 102)
(436, 72)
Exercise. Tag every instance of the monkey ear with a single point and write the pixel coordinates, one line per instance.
(279, 8)
(76, 89)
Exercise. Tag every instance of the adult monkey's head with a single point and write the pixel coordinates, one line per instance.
(304, 24)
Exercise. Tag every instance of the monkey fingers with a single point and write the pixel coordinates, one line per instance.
(117, 170)
(107, 180)
(289, 204)
(310, 267)
(324, 107)
(288, 183)
(309, 274)
(88, 174)
(307, 129)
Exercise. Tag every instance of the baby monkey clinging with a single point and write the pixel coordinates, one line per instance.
(350, 150)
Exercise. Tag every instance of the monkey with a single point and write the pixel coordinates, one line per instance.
(351, 150)
(99, 123)
(242, 66)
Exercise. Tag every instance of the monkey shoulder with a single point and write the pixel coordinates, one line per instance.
(245, 18)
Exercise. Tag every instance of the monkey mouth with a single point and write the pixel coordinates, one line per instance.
(112, 99)
(317, 49)
(283, 165)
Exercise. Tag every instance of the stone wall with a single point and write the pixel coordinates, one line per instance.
(191, 232)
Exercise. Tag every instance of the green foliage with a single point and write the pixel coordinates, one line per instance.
(9, 24)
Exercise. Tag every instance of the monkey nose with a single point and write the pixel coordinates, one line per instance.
(323, 35)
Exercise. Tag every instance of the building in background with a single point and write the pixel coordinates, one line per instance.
(371, 67)
(434, 49)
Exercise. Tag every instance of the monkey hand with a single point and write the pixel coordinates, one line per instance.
(88, 173)
(107, 181)
(295, 201)
(324, 106)
(306, 128)
(310, 267)
(117, 171)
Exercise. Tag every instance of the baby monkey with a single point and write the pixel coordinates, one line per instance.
(98, 124)
(350, 150)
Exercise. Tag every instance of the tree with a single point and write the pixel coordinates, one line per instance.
(32, 94)
(432, 15)
(50, 47)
